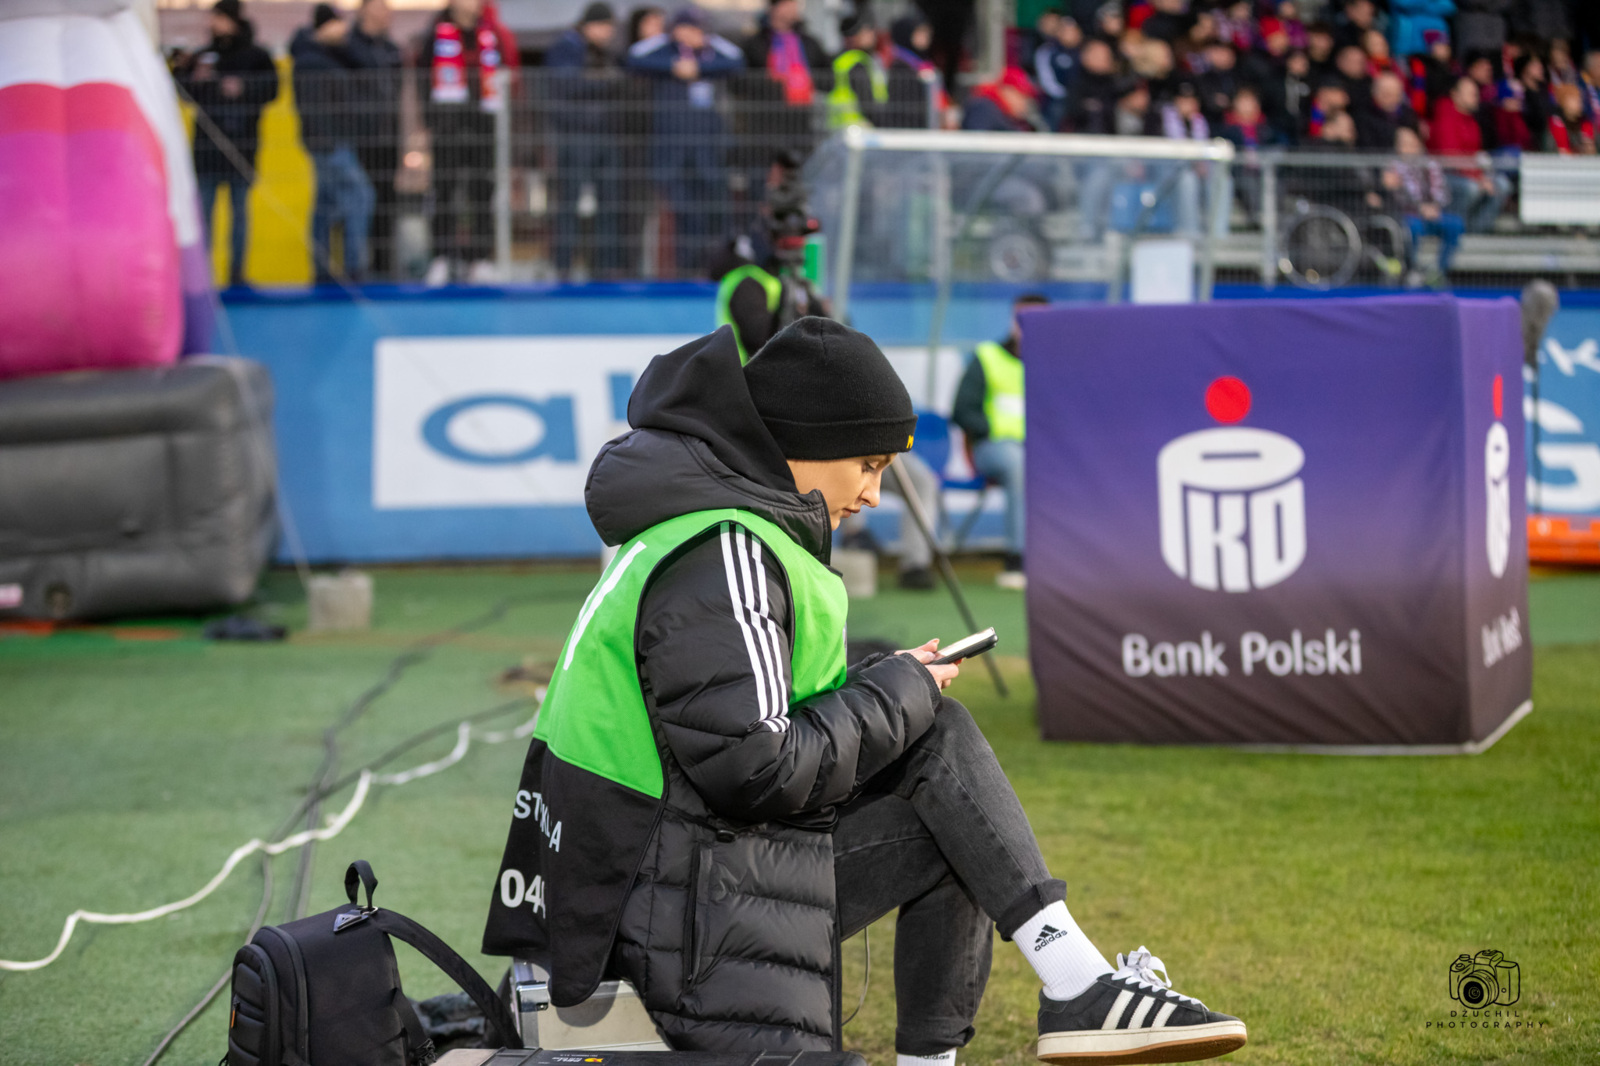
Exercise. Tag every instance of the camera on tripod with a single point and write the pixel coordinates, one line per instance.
(1486, 979)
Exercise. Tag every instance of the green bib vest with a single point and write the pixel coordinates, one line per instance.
(1002, 398)
(843, 107)
(730, 281)
(594, 716)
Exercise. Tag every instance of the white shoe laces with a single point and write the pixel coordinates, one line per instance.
(1145, 969)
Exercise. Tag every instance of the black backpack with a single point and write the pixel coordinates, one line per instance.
(325, 990)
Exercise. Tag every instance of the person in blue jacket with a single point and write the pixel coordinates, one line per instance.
(689, 135)
(1410, 19)
(586, 91)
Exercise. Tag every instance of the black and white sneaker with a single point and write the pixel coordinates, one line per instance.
(1132, 1015)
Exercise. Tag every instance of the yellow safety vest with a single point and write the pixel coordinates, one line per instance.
(731, 281)
(843, 107)
(1002, 397)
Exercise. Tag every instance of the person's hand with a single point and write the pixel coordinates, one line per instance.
(925, 655)
(685, 69)
(1430, 212)
(232, 86)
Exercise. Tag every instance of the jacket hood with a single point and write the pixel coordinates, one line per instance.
(698, 444)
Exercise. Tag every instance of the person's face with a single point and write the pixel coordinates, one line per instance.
(1111, 24)
(1289, 10)
(1158, 58)
(689, 36)
(222, 25)
(1246, 108)
(1278, 43)
(1204, 29)
(1440, 50)
(865, 39)
(1360, 12)
(1188, 106)
(1014, 100)
(1340, 129)
(783, 16)
(653, 24)
(598, 34)
(1352, 62)
(1406, 142)
(1533, 73)
(1388, 92)
(376, 17)
(1591, 65)
(1069, 34)
(1320, 46)
(1047, 24)
(1570, 99)
(847, 485)
(1097, 58)
(1299, 65)
(465, 12)
(1376, 44)
(1465, 95)
(1481, 71)
(1221, 57)
(1136, 102)
(922, 37)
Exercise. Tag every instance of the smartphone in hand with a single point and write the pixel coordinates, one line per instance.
(967, 647)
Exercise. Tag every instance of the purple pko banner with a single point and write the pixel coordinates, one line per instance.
(1278, 522)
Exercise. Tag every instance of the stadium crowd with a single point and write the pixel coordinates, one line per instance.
(1412, 77)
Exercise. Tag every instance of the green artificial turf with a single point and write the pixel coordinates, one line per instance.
(1320, 898)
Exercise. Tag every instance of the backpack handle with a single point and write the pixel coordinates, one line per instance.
(363, 870)
(441, 955)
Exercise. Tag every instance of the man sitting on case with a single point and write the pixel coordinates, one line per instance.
(713, 800)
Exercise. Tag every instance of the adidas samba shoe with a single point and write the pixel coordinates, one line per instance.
(1132, 1015)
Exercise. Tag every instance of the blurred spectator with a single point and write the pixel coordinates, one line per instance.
(376, 59)
(583, 115)
(1109, 21)
(1481, 25)
(324, 94)
(1005, 104)
(1559, 68)
(1411, 19)
(1236, 25)
(645, 22)
(1287, 94)
(1351, 62)
(1386, 112)
(1220, 81)
(1055, 68)
(1094, 97)
(1320, 48)
(860, 84)
(1418, 193)
(916, 89)
(1571, 131)
(1153, 62)
(1330, 99)
(1431, 73)
(468, 47)
(1358, 17)
(1249, 130)
(1030, 40)
(783, 49)
(230, 81)
(1485, 72)
(1476, 194)
(1589, 83)
(689, 136)
(1379, 59)
(1131, 116)
(1170, 21)
(1521, 114)
(1289, 15)
(1181, 119)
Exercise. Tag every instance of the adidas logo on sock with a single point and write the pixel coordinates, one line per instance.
(1047, 935)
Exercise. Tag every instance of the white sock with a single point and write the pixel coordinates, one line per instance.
(1059, 952)
(944, 1058)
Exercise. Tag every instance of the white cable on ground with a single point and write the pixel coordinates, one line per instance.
(244, 851)
(305, 836)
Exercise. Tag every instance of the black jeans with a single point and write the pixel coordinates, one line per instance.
(941, 835)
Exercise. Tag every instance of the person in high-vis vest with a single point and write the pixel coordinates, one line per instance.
(989, 410)
(715, 795)
(860, 83)
(750, 299)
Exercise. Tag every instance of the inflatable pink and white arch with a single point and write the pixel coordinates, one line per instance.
(102, 252)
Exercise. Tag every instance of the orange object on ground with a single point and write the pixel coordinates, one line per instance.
(1564, 539)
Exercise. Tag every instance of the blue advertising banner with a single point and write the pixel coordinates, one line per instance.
(1278, 522)
(1564, 475)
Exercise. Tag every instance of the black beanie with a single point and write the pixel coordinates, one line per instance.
(826, 391)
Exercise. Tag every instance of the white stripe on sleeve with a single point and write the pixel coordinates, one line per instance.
(767, 629)
(757, 667)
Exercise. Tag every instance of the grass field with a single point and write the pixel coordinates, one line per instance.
(1319, 898)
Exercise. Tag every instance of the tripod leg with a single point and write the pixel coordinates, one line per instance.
(946, 571)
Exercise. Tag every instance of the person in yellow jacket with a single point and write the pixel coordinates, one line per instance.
(989, 410)
(860, 83)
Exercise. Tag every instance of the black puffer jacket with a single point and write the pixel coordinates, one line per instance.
(723, 905)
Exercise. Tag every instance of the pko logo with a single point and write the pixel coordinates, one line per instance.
(1232, 508)
(1497, 485)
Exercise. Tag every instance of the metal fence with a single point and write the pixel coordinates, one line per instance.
(579, 175)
